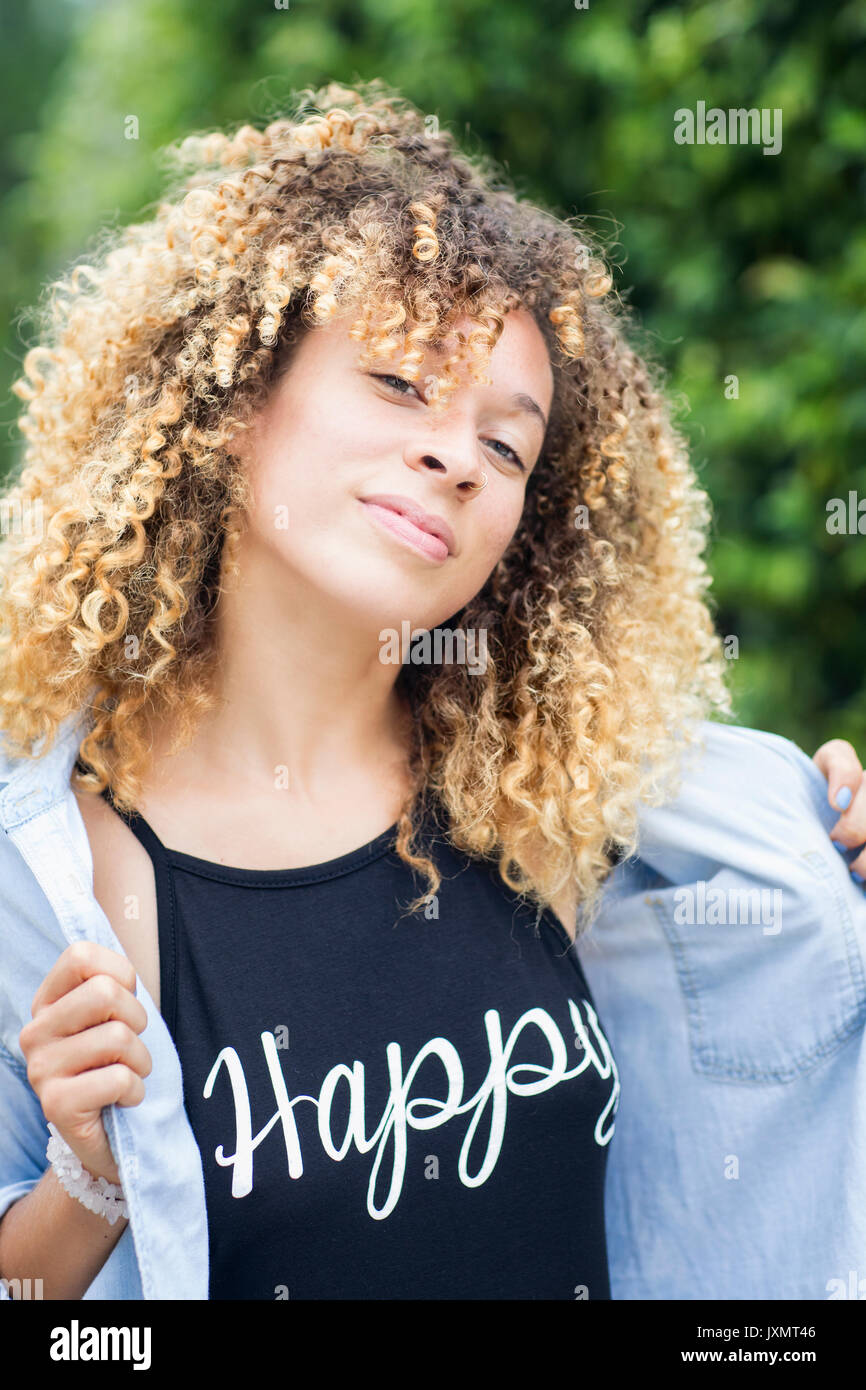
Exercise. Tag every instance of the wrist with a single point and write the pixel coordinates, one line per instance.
(96, 1192)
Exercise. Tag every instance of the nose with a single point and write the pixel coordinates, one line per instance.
(456, 460)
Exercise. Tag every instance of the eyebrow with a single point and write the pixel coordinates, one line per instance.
(520, 399)
(530, 406)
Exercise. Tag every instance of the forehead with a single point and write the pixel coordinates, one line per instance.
(519, 362)
(520, 345)
(519, 366)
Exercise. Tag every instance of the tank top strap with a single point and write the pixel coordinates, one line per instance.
(166, 910)
(140, 829)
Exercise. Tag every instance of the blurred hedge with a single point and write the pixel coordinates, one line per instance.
(738, 263)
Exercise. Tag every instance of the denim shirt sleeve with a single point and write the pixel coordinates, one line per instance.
(757, 908)
(23, 1130)
(23, 1160)
(729, 969)
(32, 940)
(23, 1135)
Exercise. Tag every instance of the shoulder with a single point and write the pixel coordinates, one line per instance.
(733, 749)
(31, 940)
(740, 914)
(746, 796)
(34, 866)
(564, 907)
(759, 920)
(743, 878)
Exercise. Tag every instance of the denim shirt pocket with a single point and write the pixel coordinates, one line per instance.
(771, 974)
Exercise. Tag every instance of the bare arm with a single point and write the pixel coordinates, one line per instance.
(83, 1053)
(49, 1235)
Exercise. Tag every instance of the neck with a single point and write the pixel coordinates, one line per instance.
(301, 687)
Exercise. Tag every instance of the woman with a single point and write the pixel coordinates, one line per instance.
(346, 668)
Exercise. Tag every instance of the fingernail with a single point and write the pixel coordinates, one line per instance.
(841, 848)
(843, 798)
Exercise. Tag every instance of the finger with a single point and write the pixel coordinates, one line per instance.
(857, 867)
(77, 963)
(89, 1051)
(850, 829)
(70, 1102)
(97, 1000)
(840, 765)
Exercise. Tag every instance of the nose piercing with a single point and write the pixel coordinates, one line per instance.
(479, 487)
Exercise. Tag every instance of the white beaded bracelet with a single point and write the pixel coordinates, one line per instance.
(97, 1194)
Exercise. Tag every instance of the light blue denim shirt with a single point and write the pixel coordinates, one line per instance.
(727, 966)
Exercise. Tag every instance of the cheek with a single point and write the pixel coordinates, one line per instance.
(500, 526)
(297, 469)
(492, 536)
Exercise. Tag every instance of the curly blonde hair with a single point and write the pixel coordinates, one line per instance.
(601, 652)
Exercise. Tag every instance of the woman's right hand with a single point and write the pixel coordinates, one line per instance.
(82, 1048)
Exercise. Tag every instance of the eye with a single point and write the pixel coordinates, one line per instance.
(388, 376)
(517, 459)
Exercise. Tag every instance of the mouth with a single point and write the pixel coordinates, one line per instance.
(408, 522)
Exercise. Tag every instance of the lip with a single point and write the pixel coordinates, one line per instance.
(425, 521)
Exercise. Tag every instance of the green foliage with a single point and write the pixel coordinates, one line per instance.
(739, 264)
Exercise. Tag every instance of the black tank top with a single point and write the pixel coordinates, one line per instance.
(386, 1108)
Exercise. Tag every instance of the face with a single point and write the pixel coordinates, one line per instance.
(340, 454)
